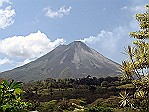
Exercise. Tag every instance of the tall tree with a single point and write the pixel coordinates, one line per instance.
(136, 67)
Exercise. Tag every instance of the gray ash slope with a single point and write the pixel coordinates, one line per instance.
(65, 61)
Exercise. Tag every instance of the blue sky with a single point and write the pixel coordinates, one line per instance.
(31, 28)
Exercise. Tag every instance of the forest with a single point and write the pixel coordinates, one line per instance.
(63, 95)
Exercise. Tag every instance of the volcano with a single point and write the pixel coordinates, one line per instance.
(74, 60)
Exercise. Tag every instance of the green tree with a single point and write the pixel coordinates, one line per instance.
(10, 100)
(136, 67)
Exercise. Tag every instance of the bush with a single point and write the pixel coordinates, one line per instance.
(98, 109)
(10, 100)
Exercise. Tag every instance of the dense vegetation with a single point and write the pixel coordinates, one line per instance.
(10, 100)
(88, 94)
(85, 94)
(136, 67)
(71, 88)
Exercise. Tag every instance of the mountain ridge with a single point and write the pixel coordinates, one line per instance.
(65, 61)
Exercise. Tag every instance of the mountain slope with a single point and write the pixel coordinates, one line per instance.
(73, 60)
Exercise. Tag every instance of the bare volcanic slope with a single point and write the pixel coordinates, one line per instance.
(65, 61)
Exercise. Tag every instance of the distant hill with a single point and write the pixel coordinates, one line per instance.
(65, 61)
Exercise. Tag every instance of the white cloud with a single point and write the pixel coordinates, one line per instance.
(23, 63)
(36, 20)
(4, 1)
(5, 61)
(104, 9)
(138, 9)
(135, 9)
(124, 8)
(59, 13)
(6, 15)
(31, 46)
(107, 40)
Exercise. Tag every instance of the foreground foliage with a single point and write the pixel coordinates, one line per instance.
(136, 67)
(88, 94)
(10, 100)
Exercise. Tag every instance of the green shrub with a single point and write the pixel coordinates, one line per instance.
(10, 100)
(98, 109)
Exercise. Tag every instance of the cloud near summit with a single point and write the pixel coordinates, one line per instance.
(4, 61)
(31, 46)
(107, 40)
